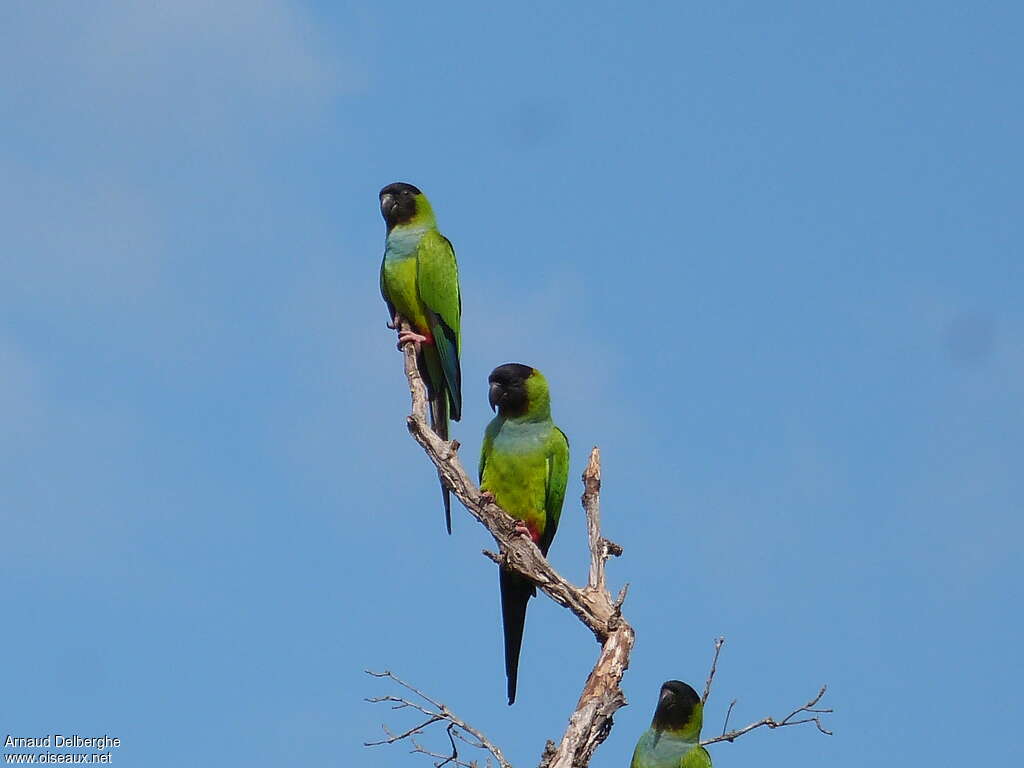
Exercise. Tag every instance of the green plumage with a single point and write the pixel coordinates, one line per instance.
(524, 464)
(419, 280)
(673, 740)
(668, 753)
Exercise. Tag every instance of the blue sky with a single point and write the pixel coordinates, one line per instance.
(768, 256)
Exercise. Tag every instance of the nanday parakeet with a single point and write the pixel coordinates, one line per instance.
(524, 464)
(419, 280)
(673, 740)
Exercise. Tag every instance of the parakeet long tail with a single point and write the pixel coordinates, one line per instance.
(430, 370)
(515, 594)
(439, 423)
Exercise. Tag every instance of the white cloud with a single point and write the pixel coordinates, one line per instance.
(125, 124)
(187, 59)
(124, 121)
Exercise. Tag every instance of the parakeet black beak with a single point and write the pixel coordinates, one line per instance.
(494, 395)
(387, 204)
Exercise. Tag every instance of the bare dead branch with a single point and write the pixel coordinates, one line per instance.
(592, 504)
(439, 759)
(770, 722)
(435, 712)
(591, 722)
(621, 598)
(392, 738)
(719, 642)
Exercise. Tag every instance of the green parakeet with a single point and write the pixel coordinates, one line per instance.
(524, 464)
(673, 740)
(419, 280)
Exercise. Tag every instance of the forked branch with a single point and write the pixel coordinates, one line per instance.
(458, 730)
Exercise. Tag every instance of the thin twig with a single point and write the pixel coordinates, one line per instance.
(770, 722)
(719, 642)
(440, 760)
(727, 713)
(443, 760)
(411, 732)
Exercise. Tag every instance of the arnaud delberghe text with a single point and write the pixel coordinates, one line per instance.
(59, 741)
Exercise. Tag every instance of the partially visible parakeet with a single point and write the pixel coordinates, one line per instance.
(673, 740)
(419, 281)
(524, 464)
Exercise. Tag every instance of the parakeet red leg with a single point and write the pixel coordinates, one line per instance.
(523, 530)
(396, 322)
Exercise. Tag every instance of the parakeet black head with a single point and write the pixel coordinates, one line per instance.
(518, 390)
(679, 710)
(399, 203)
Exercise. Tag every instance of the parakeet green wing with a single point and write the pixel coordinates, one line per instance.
(384, 293)
(437, 278)
(554, 485)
